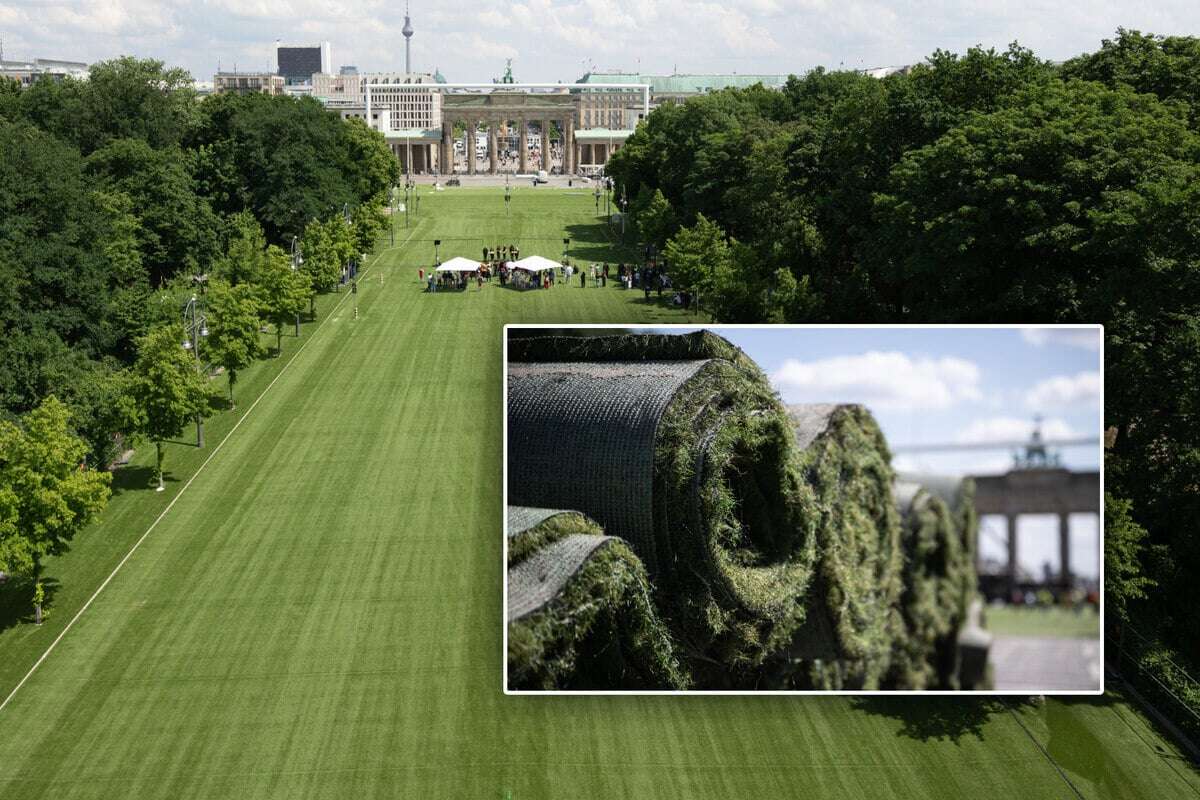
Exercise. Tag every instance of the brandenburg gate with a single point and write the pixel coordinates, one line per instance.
(514, 110)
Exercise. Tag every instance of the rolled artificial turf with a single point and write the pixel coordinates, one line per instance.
(940, 528)
(774, 557)
(579, 609)
(843, 459)
(678, 445)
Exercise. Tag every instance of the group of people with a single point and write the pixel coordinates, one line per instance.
(497, 262)
(501, 253)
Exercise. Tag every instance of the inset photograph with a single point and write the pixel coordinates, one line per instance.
(802, 509)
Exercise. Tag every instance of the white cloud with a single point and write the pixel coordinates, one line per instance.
(1082, 389)
(557, 38)
(493, 20)
(1087, 338)
(889, 380)
(1012, 429)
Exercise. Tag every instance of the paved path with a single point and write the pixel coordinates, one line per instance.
(1045, 664)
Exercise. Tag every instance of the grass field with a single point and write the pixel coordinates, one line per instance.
(318, 614)
(1020, 621)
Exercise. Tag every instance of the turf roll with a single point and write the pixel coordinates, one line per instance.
(679, 446)
(941, 528)
(844, 462)
(933, 603)
(579, 609)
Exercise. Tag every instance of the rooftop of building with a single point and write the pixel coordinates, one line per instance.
(686, 83)
(44, 64)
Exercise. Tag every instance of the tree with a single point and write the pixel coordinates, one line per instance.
(132, 98)
(1165, 66)
(47, 495)
(371, 166)
(233, 323)
(321, 262)
(128, 314)
(246, 254)
(1073, 200)
(285, 292)
(52, 268)
(1123, 542)
(177, 228)
(697, 255)
(656, 221)
(285, 160)
(166, 389)
(341, 239)
(368, 224)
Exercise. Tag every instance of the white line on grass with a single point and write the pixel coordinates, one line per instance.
(195, 475)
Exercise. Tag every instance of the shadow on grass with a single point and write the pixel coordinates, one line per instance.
(590, 242)
(16, 599)
(939, 718)
(135, 478)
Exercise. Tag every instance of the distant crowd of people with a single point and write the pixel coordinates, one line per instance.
(651, 277)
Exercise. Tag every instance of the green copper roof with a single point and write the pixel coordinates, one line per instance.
(601, 135)
(686, 84)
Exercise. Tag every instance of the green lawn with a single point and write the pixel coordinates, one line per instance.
(318, 615)
(1052, 621)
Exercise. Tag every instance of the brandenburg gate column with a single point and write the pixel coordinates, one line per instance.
(446, 160)
(522, 149)
(469, 150)
(569, 145)
(493, 132)
(546, 145)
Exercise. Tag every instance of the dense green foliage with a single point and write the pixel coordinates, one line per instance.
(46, 495)
(988, 187)
(118, 195)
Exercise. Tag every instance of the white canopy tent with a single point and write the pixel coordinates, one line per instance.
(460, 264)
(535, 264)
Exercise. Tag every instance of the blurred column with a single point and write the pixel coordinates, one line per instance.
(1064, 549)
(1010, 527)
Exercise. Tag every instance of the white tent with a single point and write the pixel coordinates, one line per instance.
(535, 264)
(460, 264)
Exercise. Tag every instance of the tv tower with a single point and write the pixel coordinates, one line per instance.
(408, 32)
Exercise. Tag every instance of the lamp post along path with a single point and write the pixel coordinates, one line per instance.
(297, 260)
(195, 326)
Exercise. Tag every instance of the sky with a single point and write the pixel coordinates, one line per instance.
(559, 40)
(954, 386)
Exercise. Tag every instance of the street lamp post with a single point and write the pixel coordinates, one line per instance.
(437, 261)
(624, 211)
(195, 326)
(297, 260)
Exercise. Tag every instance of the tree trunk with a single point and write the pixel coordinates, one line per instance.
(232, 380)
(278, 340)
(312, 307)
(159, 450)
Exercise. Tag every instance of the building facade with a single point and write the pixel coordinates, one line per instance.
(247, 83)
(26, 72)
(298, 63)
(621, 109)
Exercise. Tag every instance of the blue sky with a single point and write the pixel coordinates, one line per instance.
(561, 39)
(954, 385)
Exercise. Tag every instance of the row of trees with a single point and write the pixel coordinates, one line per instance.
(121, 197)
(987, 187)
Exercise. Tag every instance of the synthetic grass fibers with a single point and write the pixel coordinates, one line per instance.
(939, 584)
(579, 609)
(319, 614)
(686, 454)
